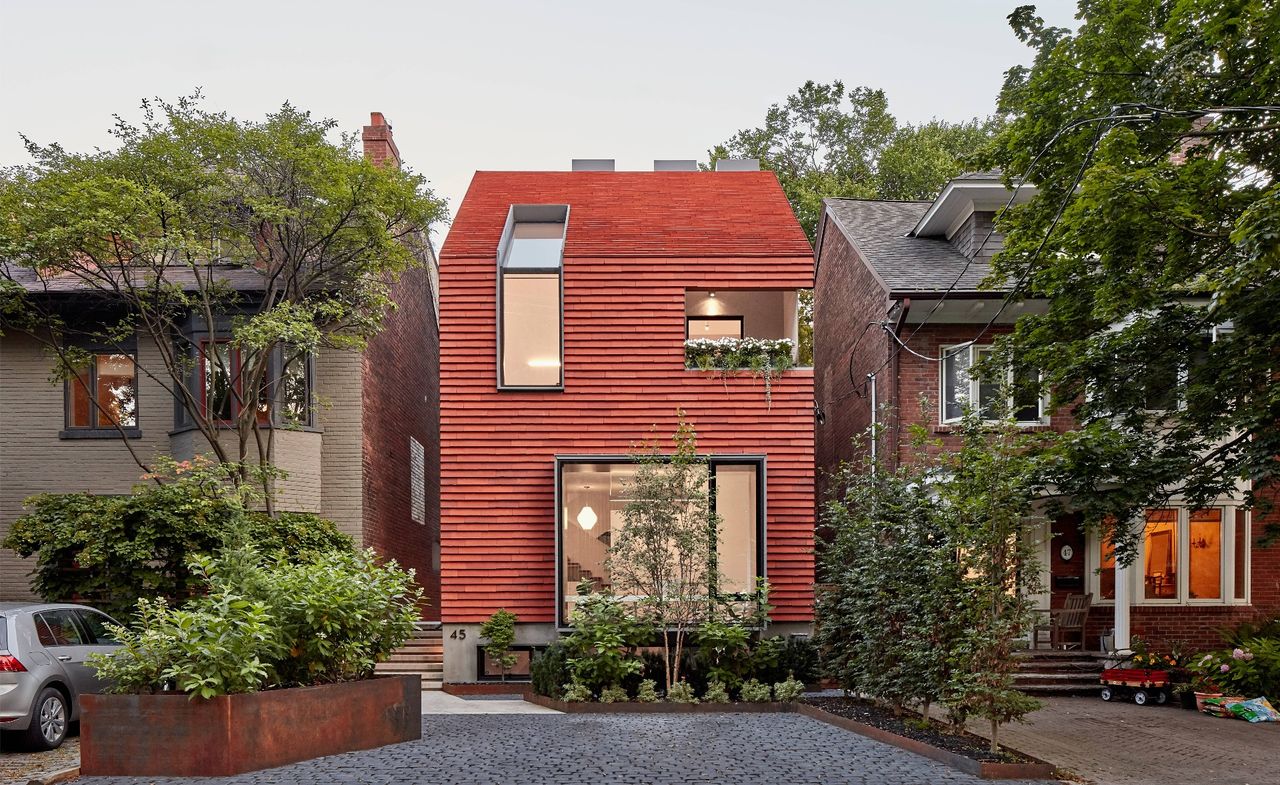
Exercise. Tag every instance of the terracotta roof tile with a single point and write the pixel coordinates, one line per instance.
(637, 214)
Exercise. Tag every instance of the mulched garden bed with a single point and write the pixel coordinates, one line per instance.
(965, 743)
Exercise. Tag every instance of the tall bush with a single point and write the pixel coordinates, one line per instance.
(112, 550)
(500, 631)
(602, 647)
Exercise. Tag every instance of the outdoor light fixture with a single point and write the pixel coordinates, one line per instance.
(711, 294)
(587, 518)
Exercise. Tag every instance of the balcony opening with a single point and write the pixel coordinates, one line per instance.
(771, 315)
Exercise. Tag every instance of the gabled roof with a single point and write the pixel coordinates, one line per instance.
(238, 278)
(637, 214)
(880, 231)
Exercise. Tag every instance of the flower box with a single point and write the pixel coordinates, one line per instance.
(172, 735)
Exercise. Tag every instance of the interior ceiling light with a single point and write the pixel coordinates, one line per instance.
(544, 362)
(587, 518)
(711, 294)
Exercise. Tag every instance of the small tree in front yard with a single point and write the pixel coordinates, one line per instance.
(990, 497)
(500, 631)
(664, 555)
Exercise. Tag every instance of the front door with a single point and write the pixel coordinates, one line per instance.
(1066, 560)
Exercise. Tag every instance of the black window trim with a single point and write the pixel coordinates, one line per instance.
(713, 459)
(503, 242)
(73, 432)
(688, 320)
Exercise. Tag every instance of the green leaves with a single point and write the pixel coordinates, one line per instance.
(500, 630)
(266, 624)
(1172, 234)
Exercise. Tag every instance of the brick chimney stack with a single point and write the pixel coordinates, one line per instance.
(379, 145)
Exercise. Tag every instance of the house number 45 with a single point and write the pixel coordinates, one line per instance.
(458, 635)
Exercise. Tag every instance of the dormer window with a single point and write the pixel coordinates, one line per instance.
(530, 304)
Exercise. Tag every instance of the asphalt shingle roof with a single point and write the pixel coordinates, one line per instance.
(879, 230)
(637, 214)
(238, 278)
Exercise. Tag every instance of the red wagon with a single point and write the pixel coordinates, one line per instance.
(1141, 684)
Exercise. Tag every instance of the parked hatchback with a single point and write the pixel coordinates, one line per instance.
(43, 673)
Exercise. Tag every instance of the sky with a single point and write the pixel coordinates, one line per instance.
(483, 84)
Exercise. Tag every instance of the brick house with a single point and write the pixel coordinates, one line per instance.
(566, 299)
(361, 449)
(883, 267)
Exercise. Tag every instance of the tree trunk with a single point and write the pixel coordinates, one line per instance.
(995, 736)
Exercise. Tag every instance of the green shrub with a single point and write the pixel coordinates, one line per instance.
(716, 693)
(576, 693)
(549, 671)
(614, 694)
(260, 625)
(602, 646)
(788, 690)
(647, 692)
(110, 551)
(681, 692)
(500, 630)
(776, 658)
(754, 691)
(724, 652)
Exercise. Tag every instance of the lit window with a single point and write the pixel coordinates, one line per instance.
(963, 388)
(103, 393)
(1204, 574)
(530, 317)
(1160, 555)
(594, 497)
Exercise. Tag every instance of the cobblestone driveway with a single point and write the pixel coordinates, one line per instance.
(592, 749)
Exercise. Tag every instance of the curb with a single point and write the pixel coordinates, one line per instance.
(64, 775)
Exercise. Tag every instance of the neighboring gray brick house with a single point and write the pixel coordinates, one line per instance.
(351, 460)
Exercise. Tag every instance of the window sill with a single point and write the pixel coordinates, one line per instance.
(72, 434)
(1029, 427)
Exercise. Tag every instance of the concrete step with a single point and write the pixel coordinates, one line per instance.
(1026, 679)
(1060, 690)
(409, 667)
(410, 656)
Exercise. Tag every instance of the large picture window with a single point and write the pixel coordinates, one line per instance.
(103, 393)
(530, 323)
(222, 386)
(1185, 556)
(593, 496)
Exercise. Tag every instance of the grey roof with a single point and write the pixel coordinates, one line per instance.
(878, 229)
(237, 278)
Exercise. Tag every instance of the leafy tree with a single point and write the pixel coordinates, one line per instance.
(112, 550)
(826, 140)
(1163, 271)
(989, 497)
(266, 232)
(500, 630)
(665, 552)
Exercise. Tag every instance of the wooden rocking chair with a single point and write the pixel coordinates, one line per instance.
(1069, 620)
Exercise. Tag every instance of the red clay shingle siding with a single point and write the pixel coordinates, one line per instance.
(637, 214)
(624, 316)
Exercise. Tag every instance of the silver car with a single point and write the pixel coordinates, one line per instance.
(43, 648)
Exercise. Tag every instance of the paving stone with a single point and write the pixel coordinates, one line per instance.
(752, 749)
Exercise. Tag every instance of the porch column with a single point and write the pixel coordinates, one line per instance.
(1124, 588)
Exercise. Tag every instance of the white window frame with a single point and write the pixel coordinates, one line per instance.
(974, 396)
(1228, 566)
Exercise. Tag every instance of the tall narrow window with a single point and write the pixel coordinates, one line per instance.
(1204, 573)
(217, 373)
(955, 383)
(295, 392)
(1241, 555)
(1160, 555)
(530, 318)
(104, 393)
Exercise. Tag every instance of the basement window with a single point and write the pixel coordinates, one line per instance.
(530, 298)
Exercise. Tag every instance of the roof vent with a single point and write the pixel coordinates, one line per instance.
(738, 165)
(592, 165)
(675, 165)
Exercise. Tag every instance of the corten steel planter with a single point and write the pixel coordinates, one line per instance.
(1034, 769)
(175, 736)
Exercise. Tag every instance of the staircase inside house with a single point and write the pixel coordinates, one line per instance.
(422, 654)
(1055, 672)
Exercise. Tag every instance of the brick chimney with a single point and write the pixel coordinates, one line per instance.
(379, 145)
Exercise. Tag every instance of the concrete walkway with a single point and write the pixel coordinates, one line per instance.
(1124, 744)
(438, 702)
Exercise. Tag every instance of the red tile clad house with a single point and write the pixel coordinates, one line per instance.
(565, 301)
(884, 267)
